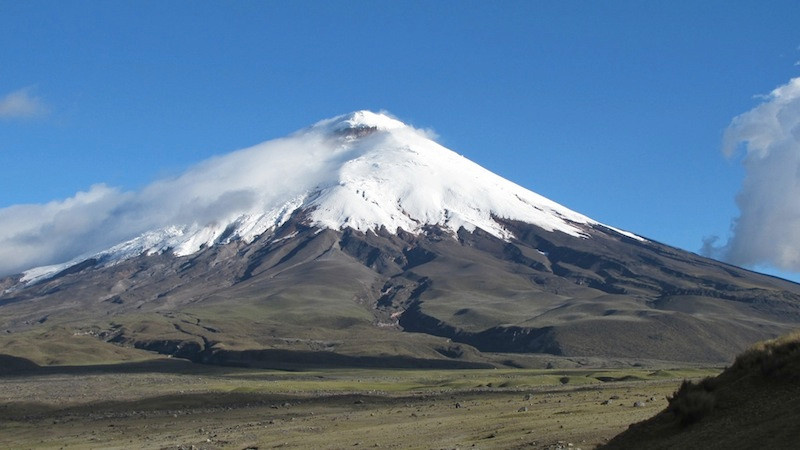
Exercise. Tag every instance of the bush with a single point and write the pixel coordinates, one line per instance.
(692, 401)
(777, 358)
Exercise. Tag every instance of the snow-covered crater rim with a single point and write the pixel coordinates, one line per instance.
(358, 120)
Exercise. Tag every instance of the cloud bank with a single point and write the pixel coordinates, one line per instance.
(767, 231)
(217, 190)
(21, 104)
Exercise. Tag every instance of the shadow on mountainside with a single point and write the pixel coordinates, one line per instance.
(262, 359)
(14, 365)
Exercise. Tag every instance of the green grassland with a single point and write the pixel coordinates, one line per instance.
(168, 403)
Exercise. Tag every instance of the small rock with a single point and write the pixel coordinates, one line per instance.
(523, 409)
(607, 402)
(527, 397)
(638, 404)
(458, 405)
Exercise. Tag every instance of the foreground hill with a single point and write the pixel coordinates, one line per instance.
(359, 241)
(753, 404)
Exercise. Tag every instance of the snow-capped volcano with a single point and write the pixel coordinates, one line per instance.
(363, 170)
(329, 245)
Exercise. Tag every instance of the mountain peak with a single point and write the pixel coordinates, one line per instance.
(358, 123)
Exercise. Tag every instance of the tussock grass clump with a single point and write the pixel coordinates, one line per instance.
(692, 401)
(776, 358)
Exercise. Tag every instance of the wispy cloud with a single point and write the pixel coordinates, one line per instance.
(22, 104)
(767, 231)
(214, 191)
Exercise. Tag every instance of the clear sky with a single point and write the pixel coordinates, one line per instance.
(616, 109)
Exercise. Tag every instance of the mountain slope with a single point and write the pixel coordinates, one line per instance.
(364, 239)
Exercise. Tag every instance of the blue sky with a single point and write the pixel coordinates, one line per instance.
(615, 109)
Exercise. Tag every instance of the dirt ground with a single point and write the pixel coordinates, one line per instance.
(241, 409)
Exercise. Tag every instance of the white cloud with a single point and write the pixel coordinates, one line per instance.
(767, 231)
(40, 234)
(21, 104)
(212, 192)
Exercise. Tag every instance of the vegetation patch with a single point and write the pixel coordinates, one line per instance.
(775, 359)
(692, 401)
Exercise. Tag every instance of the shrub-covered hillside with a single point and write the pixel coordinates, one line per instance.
(753, 404)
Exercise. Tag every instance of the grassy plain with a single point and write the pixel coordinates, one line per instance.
(172, 404)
